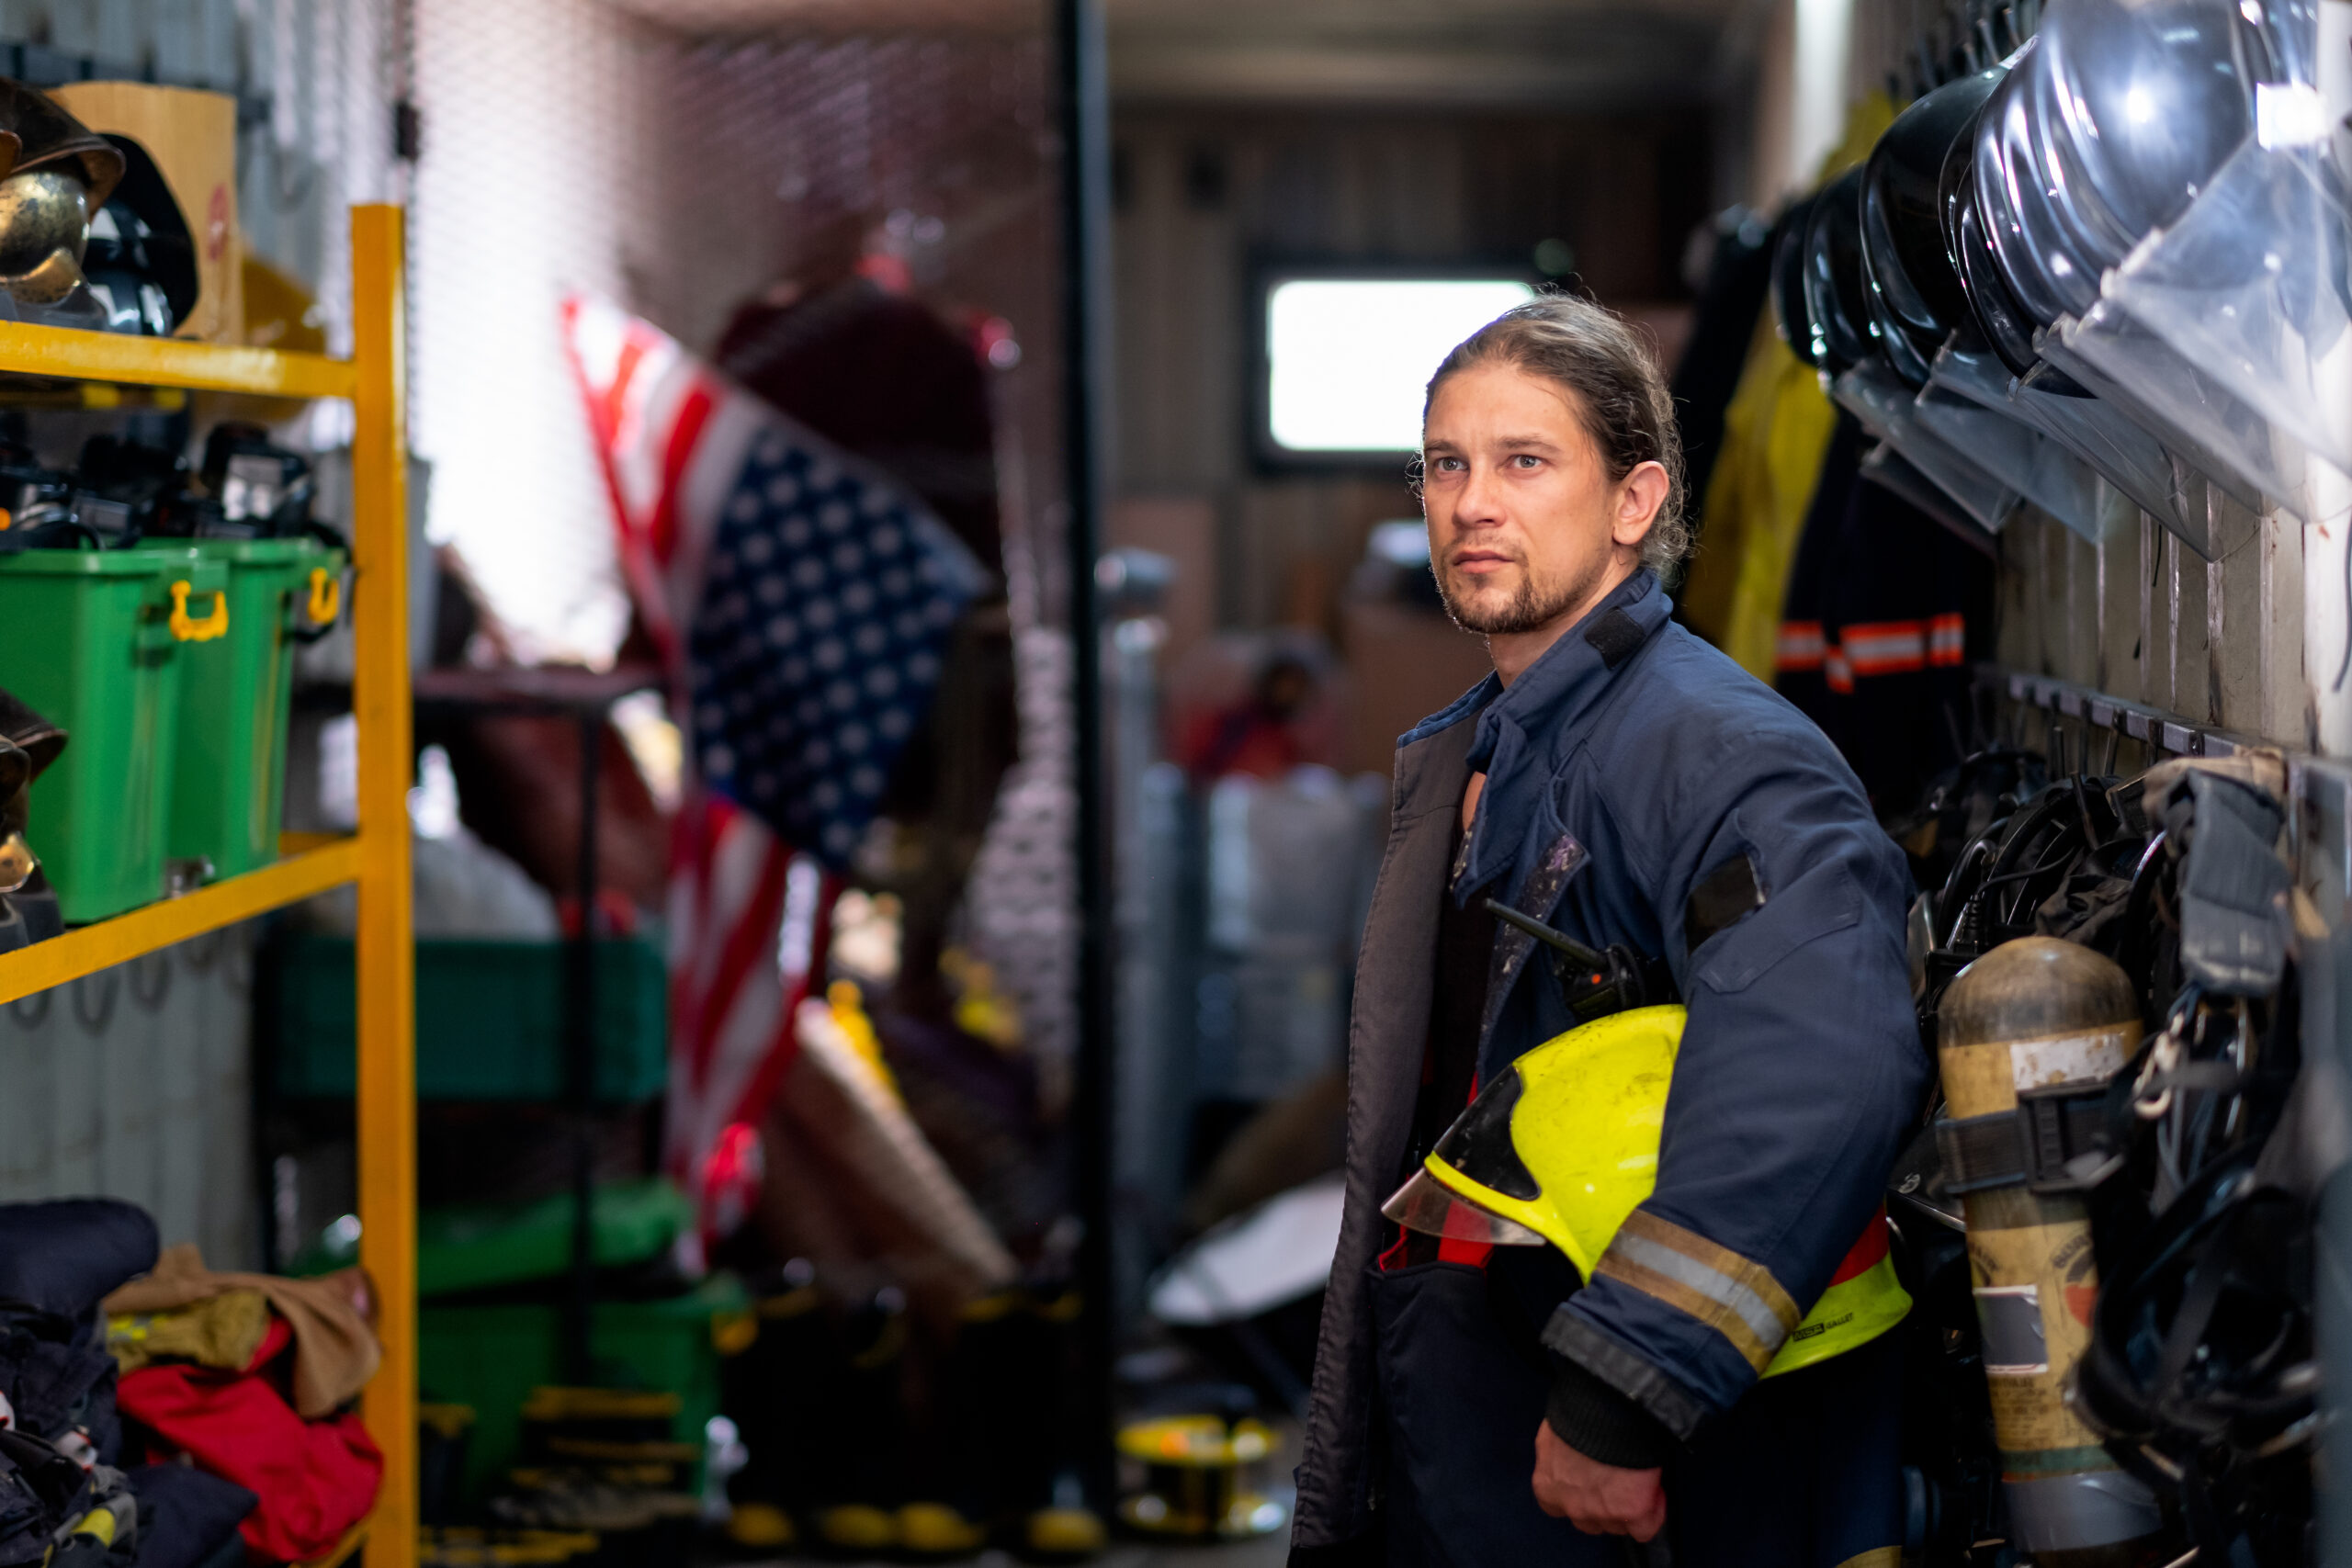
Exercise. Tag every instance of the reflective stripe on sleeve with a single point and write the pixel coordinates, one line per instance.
(1737, 1298)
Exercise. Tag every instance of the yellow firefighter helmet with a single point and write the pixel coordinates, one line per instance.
(1563, 1146)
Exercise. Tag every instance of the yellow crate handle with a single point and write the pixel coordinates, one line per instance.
(190, 630)
(326, 596)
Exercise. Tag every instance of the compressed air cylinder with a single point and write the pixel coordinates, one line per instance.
(2033, 1013)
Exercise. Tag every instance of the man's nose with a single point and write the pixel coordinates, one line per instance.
(1480, 501)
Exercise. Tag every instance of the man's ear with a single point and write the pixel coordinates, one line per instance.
(1639, 496)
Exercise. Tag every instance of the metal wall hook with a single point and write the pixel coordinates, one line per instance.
(106, 984)
(151, 997)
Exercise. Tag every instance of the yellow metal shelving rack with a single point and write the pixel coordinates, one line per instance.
(377, 856)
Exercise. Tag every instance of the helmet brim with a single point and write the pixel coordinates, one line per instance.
(1426, 1204)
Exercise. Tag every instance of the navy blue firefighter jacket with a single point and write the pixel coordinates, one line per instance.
(1628, 766)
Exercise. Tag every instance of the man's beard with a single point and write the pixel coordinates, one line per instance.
(1532, 608)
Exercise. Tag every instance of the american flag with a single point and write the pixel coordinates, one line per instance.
(801, 602)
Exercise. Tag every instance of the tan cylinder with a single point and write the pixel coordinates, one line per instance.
(2034, 1013)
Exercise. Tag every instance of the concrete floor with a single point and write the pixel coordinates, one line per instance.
(1267, 1551)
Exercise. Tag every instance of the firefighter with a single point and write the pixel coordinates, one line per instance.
(1622, 784)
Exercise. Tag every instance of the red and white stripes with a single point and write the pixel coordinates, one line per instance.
(1872, 648)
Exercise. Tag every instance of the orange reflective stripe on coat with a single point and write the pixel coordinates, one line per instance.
(1885, 647)
(1873, 648)
(1801, 647)
(1947, 640)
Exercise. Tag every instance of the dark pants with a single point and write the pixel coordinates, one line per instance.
(1802, 1473)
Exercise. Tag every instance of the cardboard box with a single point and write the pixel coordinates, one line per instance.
(192, 136)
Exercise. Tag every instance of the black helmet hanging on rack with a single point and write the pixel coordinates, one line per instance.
(1834, 299)
(1789, 312)
(262, 488)
(142, 259)
(1915, 294)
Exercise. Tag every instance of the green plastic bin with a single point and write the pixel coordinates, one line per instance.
(490, 1019)
(492, 1357)
(481, 1247)
(228, 792)
(93, 640)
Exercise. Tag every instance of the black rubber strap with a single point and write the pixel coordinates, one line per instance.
(2053, 1141)
(2064, 1137)
(1978, 1151)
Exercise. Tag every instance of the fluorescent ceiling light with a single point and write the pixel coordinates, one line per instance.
(1349, 358)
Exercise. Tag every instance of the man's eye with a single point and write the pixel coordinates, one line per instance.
(1447, 465)
(1526, 460)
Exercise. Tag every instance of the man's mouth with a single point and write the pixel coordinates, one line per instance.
(1481, 563)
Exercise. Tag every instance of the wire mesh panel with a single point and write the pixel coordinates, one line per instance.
(533, 153)
(781, 161)
(570, 147)
(684, 171)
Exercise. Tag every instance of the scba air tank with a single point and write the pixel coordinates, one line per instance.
(2032, 1014)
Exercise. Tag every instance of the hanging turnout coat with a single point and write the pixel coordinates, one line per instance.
(1630, 768)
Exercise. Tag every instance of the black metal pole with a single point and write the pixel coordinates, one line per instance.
(580, 1039)
(1084, 120)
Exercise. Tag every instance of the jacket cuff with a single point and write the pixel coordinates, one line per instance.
(1602, 1424)
(1678, 1411)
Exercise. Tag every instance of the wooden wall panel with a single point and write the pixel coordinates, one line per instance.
(1203, 193)
(2145, 617)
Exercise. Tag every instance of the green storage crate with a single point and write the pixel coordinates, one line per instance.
(490, 1019)
(481, 1247)
(228, 792)
(492, 1357)
(92, 640)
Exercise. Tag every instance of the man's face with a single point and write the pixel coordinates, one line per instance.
(1525, 524)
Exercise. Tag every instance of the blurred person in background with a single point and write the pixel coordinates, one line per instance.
(1264, 733)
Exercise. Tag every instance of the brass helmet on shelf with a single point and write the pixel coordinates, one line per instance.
(59, 173)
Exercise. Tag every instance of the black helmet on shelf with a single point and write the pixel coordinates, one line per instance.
(2153, 96)
(1910, 350)
(2096, 238)
(2000, 319)
(125, 487)
(262, 488)
(1788, 281)
(142, 259)
(1834, 297)
(2010, 211)
(1914, 291)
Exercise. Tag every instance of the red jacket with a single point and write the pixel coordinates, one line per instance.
(315, 1479)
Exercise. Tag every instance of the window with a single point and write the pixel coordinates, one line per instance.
(1348, 357)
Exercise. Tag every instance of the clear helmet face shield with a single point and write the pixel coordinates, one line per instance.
(1426, 1206)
